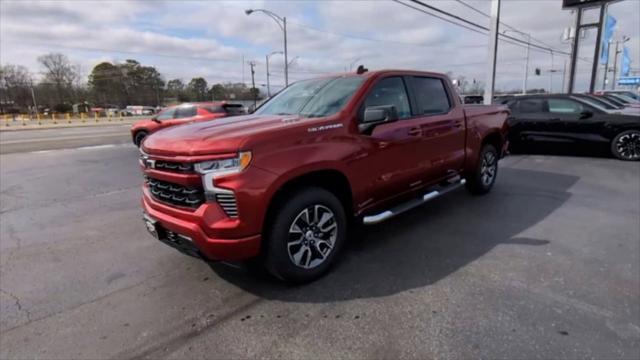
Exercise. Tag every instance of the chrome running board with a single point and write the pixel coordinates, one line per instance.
(388, 214)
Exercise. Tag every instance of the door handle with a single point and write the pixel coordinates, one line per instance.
(416, 131)
(457, 124)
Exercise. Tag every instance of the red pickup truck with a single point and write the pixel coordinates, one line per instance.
(283, 184)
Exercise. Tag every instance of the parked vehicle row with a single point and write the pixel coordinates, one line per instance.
(581, 120)
(282, 186)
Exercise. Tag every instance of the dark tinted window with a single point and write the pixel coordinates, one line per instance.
(431, 96)
(564, 106)
(214, 109)
(596, 102)
(390, 91)
(234, 109)
(185, 111)
(530, 106)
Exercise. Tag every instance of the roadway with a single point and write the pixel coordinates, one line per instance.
(546, 266)
(63, 138)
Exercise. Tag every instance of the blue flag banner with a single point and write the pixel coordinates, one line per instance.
(626, 62)
(609, 28)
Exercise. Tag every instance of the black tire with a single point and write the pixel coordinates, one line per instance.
(140, 135)
(626, 145)
(289, 216)
(484, 176)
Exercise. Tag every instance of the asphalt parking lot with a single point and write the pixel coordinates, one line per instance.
(545, 266)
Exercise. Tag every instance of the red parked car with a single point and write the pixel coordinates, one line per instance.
(283, 184)
(182, 114)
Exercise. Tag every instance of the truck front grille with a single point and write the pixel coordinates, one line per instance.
(173, 166)
(228, 204)
(175, 194)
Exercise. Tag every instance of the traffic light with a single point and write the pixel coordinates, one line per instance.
(538, 71)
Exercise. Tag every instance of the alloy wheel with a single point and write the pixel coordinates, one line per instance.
(488, 168)
(628, 145)
(312, 236)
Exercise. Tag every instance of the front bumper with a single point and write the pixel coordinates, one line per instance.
(203, 245)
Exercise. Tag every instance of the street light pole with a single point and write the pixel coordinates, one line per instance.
(286, 64)
(268, 75)
(526, 63)
(282, 23)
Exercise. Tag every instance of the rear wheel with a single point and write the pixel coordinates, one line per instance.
(305, 235)
(140, 135)
(482, 179)
(626, 145)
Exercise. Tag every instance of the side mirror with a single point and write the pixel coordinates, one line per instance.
(376, 115)
(586, 114)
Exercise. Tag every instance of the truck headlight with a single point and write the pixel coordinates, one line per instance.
(221, 167)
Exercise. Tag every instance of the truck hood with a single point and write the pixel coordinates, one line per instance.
(213, 137)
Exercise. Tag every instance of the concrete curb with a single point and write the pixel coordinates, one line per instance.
(19, 125)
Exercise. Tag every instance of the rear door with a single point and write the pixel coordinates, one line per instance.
(531, 120)
(442, 124)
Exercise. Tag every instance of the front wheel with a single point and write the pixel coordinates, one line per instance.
(484, 176)
(305, 235)
(626, 145)
(140, 135)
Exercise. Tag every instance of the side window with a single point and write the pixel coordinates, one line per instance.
(432, 97)
(185, 112)
(214, 109)
(528, 106)
(564, 106)
(234, 109)
(390, 91)
(166, 114)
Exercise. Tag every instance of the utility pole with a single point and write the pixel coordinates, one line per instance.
(564, 75)
(493, 52)
(253, 84)
(606, 69)
(268, 86)
(596, 54)
(33, 96)
(574, 51)
(615, 66)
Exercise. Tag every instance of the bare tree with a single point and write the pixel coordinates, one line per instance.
(61, 73)
(15, 82)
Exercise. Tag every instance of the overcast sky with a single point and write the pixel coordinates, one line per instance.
(210, 38)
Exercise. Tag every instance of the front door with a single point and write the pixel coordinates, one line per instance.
(389, 164)
(574, 121)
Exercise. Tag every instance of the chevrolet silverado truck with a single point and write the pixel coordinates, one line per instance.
(282, 185)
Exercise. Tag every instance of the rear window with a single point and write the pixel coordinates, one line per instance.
(431, 96)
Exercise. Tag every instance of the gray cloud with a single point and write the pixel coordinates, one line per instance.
(186, 39)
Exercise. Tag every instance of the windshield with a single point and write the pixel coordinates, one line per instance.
(626, 98)
(596, 104)
(312, 98)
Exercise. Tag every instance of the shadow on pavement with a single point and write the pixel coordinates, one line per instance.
(564, 149)
(427, 244)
